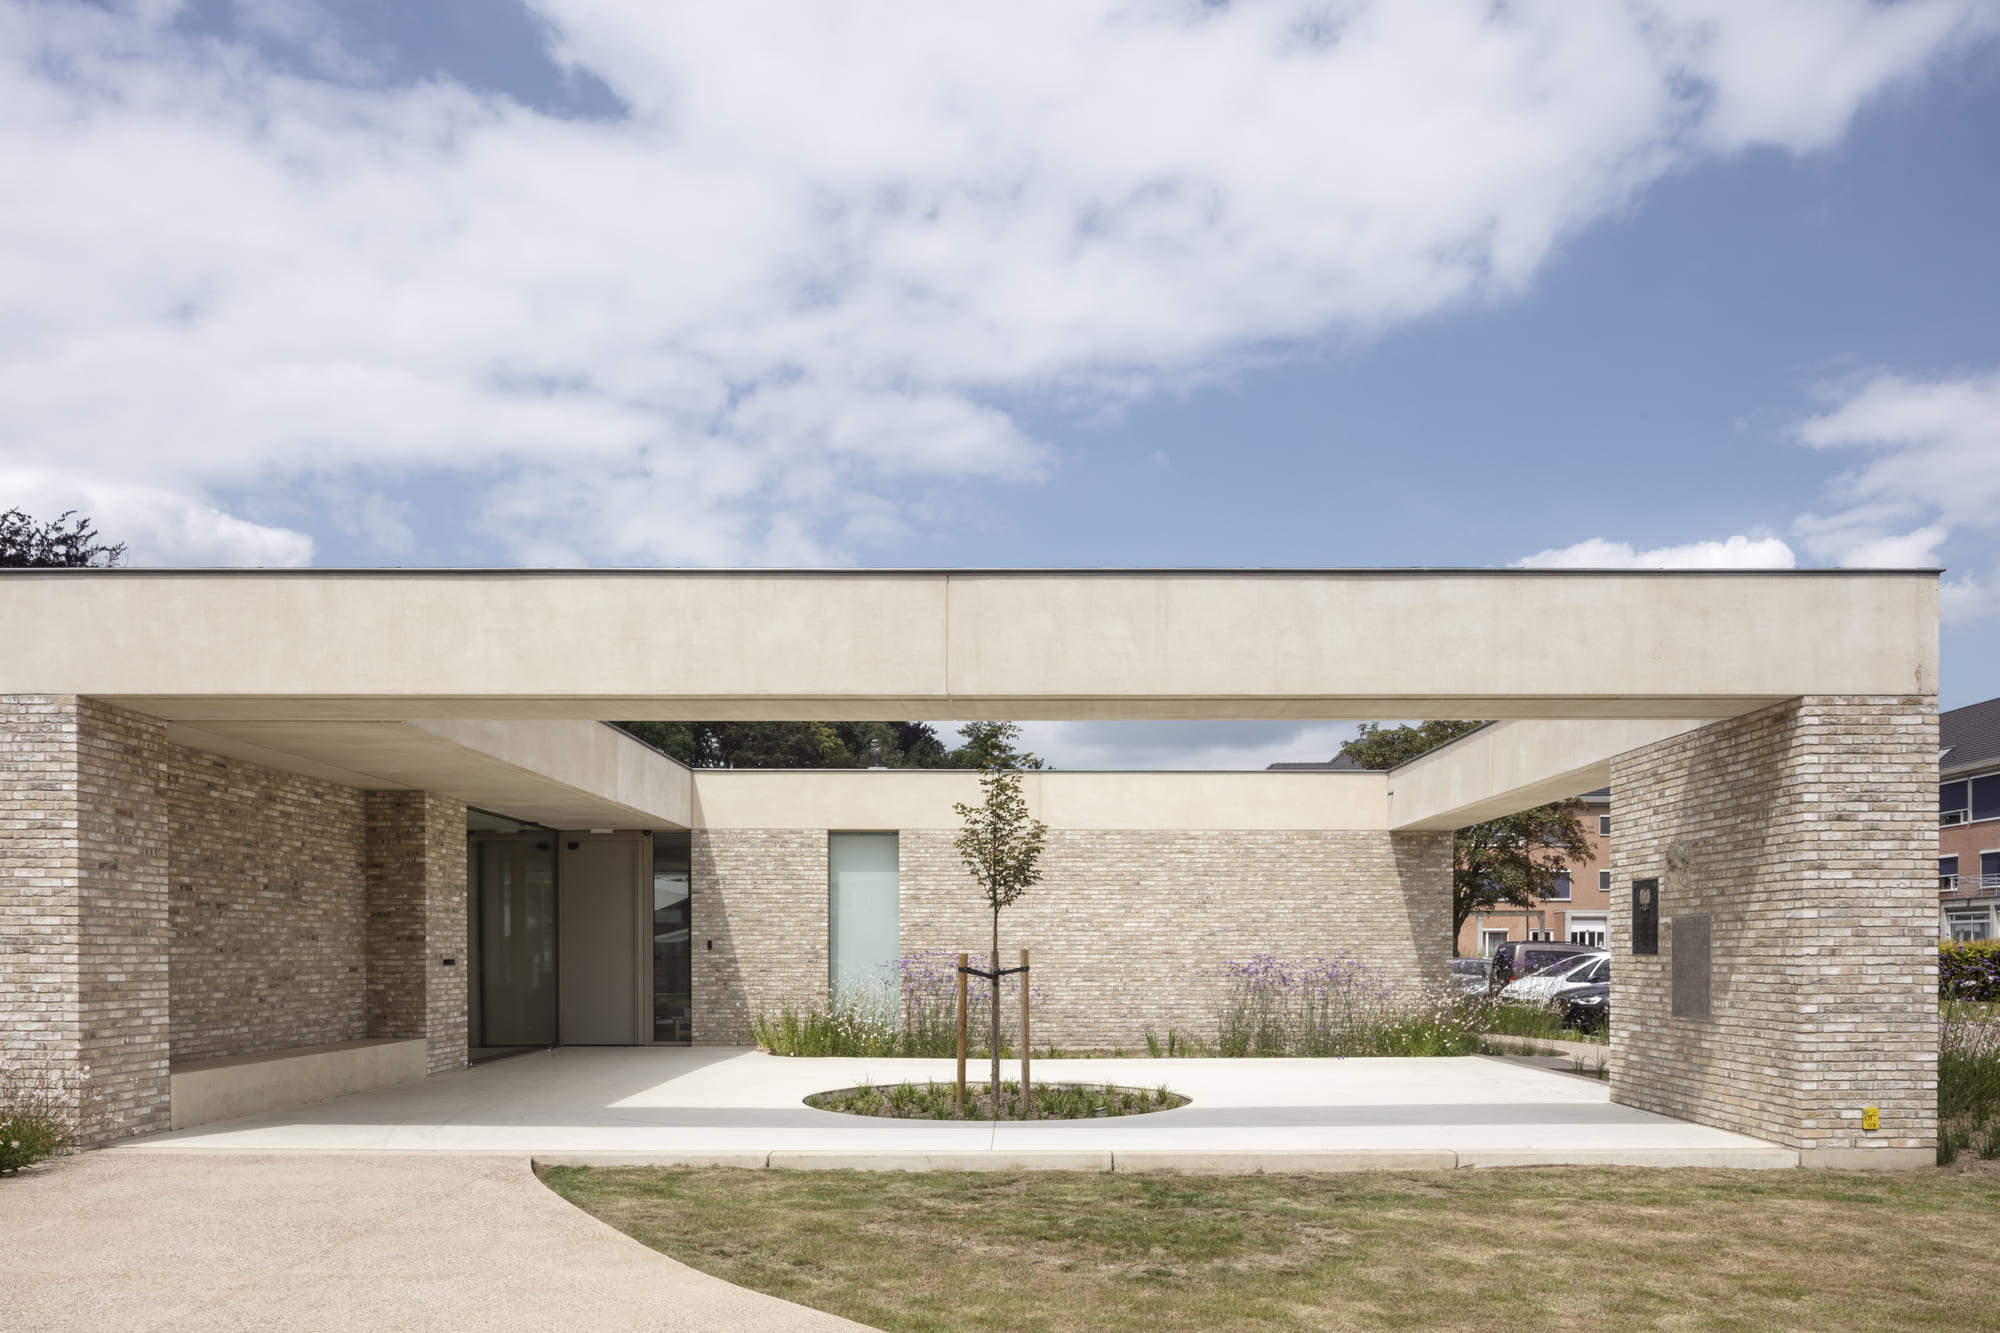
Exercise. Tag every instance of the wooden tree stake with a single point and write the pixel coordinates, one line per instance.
(1027, 1093)
(962, 958)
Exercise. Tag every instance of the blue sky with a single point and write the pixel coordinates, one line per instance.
(591, 282)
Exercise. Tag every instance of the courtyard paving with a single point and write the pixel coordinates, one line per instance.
(340, 1241)
(709, 1106)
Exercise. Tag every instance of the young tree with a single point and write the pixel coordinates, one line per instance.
(67, 542)
(1513, 859)
(999, 843)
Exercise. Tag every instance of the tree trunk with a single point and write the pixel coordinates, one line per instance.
(995, 1013)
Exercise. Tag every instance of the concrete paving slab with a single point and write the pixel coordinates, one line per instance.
(336, 1241)
(664, 1104)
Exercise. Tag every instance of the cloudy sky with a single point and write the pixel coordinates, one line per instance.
(1154, 282)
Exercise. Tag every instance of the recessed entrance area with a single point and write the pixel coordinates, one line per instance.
(575, 938)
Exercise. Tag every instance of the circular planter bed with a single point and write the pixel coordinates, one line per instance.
(1053, 1101)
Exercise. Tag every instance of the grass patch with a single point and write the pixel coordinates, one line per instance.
(1053, 1101)
(1473, 1250)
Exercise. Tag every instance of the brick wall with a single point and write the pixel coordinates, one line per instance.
(415, 869)
(40, 996)
(1806, 832)
(83, 901)
(124, 935)
(268, 908)
(757, 912)
(1121, 926)
(158, 902)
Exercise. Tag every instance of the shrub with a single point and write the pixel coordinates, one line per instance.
(1969, 970)
(912, 1012)
(1512, 1018)
(1968, 1080)
(1053, 1101)
(1318, 1007)
(43, 1113)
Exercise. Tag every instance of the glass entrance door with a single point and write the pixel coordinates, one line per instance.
(673, 981)
(514, 927)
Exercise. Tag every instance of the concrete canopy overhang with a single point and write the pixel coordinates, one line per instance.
(392, 645)
(568, 775)
(1511, 766)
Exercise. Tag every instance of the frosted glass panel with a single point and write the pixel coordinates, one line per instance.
(861, 908)
(517, 956)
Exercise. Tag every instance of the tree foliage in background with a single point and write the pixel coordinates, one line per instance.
(999, 842)
(1514, 859)
(802, 744)
(1385, 747)
(67, 542)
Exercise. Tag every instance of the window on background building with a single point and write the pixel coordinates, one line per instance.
(1604, 881)
(1966, 926)
(1587, 933)
(861, 909)
(1947, 873)
(1986, 797)
(1541, 937)
(1489, 940)
(1604, 826)
(1558, 891)
(1989, 870)
(1951, 802)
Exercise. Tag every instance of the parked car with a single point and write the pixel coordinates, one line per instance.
(1520, 958)
(1586, 1007)
(1552, 981)
(1470, 974)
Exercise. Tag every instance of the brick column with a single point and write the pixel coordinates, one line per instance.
(1805, 835)
(84, 936)
(416, 921)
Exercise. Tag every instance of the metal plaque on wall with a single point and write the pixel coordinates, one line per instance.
(1645, 916)
(1691, 971)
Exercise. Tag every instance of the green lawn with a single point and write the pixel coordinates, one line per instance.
(1573, 1248)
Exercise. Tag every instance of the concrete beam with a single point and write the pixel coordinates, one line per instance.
(1513, 766)
(562, 774)
(908, 798)
(396, 645)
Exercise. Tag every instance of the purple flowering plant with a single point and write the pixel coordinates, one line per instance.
(1271, 1006)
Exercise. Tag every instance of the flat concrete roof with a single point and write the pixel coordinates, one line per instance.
(376, 645)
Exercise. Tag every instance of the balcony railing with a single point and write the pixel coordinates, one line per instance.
(1968, 886)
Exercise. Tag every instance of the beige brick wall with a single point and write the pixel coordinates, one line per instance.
(269, 908)
(757, 908)
(1806, 831)
(415, 870)
(1121, 927)
(123, 929)
(157, 902)
(83, 900)
(40, 965)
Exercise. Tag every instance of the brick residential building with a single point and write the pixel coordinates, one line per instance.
(1969, 822)
(1578, 911)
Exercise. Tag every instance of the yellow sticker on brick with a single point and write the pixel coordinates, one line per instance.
(1871, 1117)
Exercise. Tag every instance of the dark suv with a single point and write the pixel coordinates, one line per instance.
(1520, 958)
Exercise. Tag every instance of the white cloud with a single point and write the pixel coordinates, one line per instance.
(1733, 553)
(159, 528)
(722, 328)
(1931, 473)
(1176, 745)
(1934, 468)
